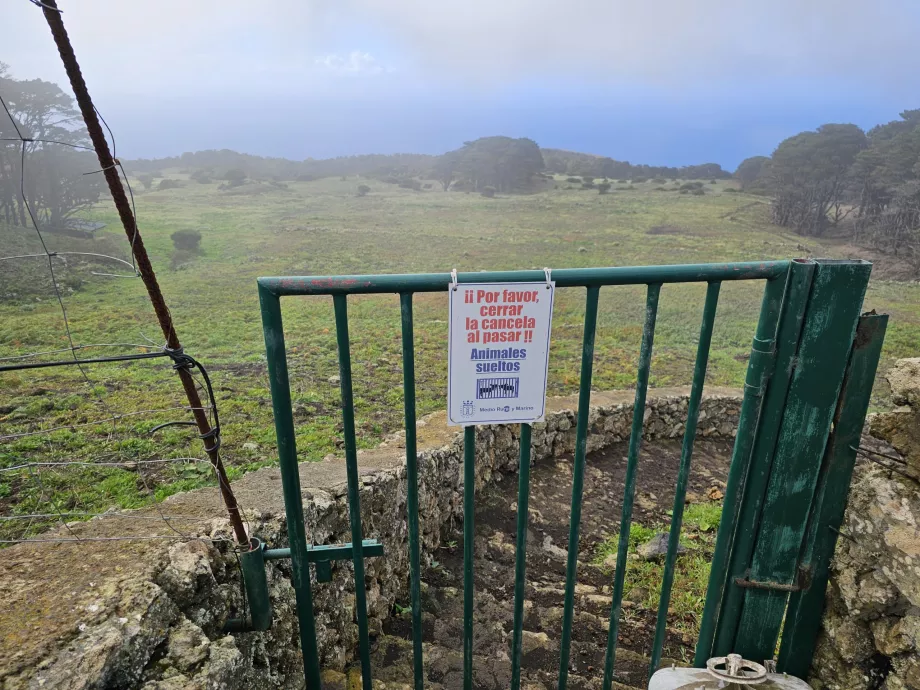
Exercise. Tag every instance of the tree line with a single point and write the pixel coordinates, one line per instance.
(864, 184)
(55, 185)
(584, 164)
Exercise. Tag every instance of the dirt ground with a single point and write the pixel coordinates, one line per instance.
(547, 542)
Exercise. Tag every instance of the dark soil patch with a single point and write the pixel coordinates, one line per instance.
(550, 504)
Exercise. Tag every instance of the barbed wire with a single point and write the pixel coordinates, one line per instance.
(36, 495)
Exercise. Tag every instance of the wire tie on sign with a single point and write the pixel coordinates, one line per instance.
(548, 272)
(453, 279)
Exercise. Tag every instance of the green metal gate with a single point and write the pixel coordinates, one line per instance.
(809, 378)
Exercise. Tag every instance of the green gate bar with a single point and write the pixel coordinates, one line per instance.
(469, 493)
(520, 556)
(354, 490)
(760, 368)
(408, 354)
(279, 383)
(686, 453)
(578, 479)
(629, 489)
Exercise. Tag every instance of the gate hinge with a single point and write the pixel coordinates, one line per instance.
(802, 582)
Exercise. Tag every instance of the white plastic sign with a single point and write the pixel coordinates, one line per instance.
(498, 352)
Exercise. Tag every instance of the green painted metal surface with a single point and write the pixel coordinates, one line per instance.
(803, 615)
(629, 490)
(279, 384)
(415, 596)
(683, 473)
(827, 336)
(798, 357)
(340, 306)
(578, 479)
(757, 472)
(520, 555)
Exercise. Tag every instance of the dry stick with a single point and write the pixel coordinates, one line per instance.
(108, 165)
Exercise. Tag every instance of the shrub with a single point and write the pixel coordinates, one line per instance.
(363, 189)
(235, 177)
(603, 188)
(427, 185)
(731, 190)
(587, 182)
(186, 240)
(698, 192)
(622, 181)
(712, 182)
(640, 180)
(201, 176)
(169, 184)
(411, 184)
(305, 177)
(573, 180)
(146, 180)
(659, 180)
(488, 192)
(688, 186)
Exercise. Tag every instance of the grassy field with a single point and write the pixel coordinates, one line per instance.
(323, 228)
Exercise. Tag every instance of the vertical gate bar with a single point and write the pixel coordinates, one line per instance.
(340, 305)
(578, 478)
(635, 440)
(520, 555)
(680, 493)
(826, 341)
(273, 331)
(803, 616)
(759, 371)
(757, 470)
(469, 491)
(408, 354)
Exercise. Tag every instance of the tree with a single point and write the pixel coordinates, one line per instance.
(603, 187)
(235, 177)
(54, 183)
(445, 168)
(809, 175)
(186, 240)
(750, 170)
(146, 180)
(504, 163)
(363, 189)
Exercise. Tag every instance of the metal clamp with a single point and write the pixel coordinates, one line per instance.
(548, 272)
(453, 278)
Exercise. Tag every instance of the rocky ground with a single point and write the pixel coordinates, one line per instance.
(546, 554)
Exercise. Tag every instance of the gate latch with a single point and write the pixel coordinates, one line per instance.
(802, 582)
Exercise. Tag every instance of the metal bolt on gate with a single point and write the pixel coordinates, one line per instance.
(806, 392)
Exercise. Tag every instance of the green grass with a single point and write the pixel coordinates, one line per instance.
(323, 228)
(691, 574)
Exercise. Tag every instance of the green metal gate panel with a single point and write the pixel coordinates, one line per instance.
(798, 358)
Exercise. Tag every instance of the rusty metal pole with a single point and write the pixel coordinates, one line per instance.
(109, 168)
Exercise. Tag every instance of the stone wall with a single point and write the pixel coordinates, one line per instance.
(149, 614)
(871, 635)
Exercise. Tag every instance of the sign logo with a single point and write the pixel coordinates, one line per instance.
(467, 409)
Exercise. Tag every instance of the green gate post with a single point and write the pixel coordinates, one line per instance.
(756, 470)
(827, 336)
(273, 330)
(803, 617)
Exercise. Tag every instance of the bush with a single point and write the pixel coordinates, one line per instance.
(603, 188)
(640, 180)
(146, 180)
(488, 192)
(305, 177)
(659, 180)
(573, 180)
(186, 240)
(427, 185)
(698, 192)
(689, 186)
(169, 184)
(731, 190)
(712, 182)
(411, 184)
(622, 181)
(587, 182)
(363, 189)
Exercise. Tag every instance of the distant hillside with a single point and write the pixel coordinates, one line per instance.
(217, 163)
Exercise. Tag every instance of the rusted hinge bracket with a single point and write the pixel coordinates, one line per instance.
(802, 582)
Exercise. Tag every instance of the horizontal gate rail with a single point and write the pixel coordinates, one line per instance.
(788, 287)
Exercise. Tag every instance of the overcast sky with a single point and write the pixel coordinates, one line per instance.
(649, 81)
